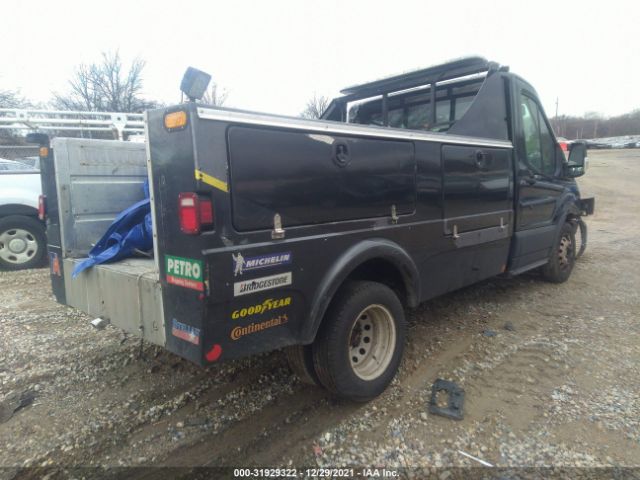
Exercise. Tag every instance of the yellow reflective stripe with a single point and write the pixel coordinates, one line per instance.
(209, 180)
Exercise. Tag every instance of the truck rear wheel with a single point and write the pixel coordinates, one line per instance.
(300, 359)
(22, 242)
(563, 257)
(360, 343)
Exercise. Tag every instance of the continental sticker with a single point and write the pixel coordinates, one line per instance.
(184, 272)
(263, 283)
(267, 305)
(239, 332)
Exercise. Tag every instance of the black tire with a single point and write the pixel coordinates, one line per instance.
(563, 256)
(343, 332)
(583, 231)
(300, 359)
(27, 230)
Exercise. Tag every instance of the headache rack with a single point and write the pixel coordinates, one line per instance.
(431, 80)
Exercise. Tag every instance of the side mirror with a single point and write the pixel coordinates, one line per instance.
(576, 166)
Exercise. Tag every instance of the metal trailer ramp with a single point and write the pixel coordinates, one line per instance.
(95, 181)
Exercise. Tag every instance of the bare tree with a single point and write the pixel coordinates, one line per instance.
(106, 87)
(215, 96)
(12, 99)
(596, 125)
(315, 107)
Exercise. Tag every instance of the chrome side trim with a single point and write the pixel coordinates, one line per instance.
(344, 128)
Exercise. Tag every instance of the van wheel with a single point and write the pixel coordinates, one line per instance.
(359, 346)
(22, 242)
(300, 359)
(563, 257)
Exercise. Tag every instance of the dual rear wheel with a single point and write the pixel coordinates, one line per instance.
(359, 346)
(360, 343)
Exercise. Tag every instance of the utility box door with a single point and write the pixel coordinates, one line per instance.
(312, 178)
(478, 188)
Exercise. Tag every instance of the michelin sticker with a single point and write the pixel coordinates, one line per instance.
(184, 272)
(263, 283)
(242, 264)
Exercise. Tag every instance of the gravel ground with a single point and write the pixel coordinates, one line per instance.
(557, 385)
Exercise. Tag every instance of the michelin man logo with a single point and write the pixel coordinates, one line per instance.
(238, 261)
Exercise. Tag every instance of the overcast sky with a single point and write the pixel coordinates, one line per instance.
(273, 55)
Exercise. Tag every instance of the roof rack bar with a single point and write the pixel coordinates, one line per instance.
(60, 120)
(446, 71)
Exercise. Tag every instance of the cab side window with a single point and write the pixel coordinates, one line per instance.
(539, 145)
(548, 147)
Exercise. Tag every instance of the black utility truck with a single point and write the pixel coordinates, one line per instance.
(316, 235)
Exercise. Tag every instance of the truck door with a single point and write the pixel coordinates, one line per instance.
(538, 189)
(537, 166)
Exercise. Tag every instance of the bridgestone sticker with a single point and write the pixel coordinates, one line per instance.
(184, 272)
(260, 284)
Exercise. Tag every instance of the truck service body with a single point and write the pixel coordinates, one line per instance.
(273, 231)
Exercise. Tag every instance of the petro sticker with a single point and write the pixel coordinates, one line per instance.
(242, 264)
(184, 272)
(185, 332)
(260, 284)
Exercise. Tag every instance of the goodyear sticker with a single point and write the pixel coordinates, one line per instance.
(184, 272)
(265, 306)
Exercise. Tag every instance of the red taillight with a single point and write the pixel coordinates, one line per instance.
(206, 212)
(42, 207)
(195, 213)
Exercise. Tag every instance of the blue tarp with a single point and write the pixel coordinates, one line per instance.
(130, 231)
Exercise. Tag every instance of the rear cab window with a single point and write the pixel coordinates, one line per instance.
(412, 109)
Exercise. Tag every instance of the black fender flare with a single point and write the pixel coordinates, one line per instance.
(352, 258)
(568, 207)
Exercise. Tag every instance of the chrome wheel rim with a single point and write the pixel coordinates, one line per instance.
(565, 252)
(372, 342)
(17, 246)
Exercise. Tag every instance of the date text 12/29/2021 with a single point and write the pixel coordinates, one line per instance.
(314, 473)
